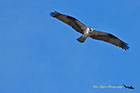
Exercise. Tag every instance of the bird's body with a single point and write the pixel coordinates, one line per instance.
(89, 32)
(86, 33)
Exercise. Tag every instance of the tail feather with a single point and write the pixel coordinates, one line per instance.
(82, 39)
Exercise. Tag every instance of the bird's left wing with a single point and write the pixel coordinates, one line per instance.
(71, 21)
(107, 37)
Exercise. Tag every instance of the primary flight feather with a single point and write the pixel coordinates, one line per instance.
(89, 32)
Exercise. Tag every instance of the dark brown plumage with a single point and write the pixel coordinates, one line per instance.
(107, 37)
(89, 32)
(74, 23)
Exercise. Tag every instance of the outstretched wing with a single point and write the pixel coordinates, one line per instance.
(110, 39)
(73, 22)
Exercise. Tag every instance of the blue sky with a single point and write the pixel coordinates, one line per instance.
(40, 54)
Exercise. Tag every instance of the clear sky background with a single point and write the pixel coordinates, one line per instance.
(39, 54)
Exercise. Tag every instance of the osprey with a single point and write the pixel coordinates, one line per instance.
(89, 32)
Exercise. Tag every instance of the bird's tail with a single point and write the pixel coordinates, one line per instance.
(82, 39)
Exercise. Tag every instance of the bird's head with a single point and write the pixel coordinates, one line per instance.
(92, 29)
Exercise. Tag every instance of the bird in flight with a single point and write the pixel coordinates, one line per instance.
(89, 32)
(128, 87)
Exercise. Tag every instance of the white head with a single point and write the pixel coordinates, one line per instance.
(92, 29)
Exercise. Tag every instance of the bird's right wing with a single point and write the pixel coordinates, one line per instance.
(71, 21)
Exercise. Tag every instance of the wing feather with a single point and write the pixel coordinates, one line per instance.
(71, 21)
(80, 27)
(107, 37)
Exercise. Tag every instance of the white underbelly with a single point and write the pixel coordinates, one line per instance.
(86, 32)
